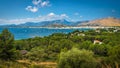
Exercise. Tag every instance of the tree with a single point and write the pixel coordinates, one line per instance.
(100, 49)
(64, 43)
(7, 50)
(114, 54)
(75, 58)
(85, 45)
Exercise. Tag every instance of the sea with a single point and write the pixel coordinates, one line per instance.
(25, 33)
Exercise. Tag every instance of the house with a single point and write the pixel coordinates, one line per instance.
(97, 42)
(115, 30)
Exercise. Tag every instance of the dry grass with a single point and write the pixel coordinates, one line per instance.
(45, 64)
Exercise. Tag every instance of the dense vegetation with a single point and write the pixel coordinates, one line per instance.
(98, 48)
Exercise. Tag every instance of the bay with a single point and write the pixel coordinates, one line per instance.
(24, 33)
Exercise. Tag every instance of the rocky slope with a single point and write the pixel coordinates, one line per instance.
(103, 22)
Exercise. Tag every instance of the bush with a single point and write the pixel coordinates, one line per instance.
(75, 58)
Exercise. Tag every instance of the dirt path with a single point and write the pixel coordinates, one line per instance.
(46, 64)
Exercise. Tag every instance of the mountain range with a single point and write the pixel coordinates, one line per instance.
(63, 23)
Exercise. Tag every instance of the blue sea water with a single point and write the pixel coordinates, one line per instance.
(24, 33)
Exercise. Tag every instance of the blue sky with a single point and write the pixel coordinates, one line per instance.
(21, 11)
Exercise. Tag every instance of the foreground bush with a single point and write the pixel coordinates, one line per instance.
(75, 58)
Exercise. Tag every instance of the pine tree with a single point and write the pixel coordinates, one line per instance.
(7, 50)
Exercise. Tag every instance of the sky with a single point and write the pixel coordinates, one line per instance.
(21, 11)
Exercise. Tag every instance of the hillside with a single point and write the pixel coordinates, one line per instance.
(102, 22)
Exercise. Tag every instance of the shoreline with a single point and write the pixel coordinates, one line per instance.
(80, 27)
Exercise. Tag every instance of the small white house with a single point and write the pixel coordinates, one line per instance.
(97, 42)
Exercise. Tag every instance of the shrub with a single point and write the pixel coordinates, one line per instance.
(75, 58)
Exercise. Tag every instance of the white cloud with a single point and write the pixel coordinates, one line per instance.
(32, 9)
(45, 3)
(48, 17)
(64, 15)
(51, 14)
(37, 4)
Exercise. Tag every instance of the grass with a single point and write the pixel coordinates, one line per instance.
(26, 64)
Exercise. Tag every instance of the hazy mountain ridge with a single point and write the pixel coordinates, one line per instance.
(47, 23)
(64, 23)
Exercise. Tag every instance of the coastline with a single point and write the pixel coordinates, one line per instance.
(76, 27)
